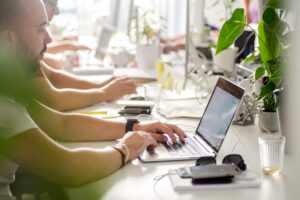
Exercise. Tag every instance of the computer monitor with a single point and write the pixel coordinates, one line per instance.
(187, 42)
(122, 15)
(189, 45)
(197, 16)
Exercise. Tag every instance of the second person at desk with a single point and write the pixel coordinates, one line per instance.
(63, 91)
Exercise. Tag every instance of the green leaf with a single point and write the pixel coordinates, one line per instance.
(266, 90)
(274, 22)
(260, 71)
(271, 18)
(278, 4)
(273, 66)
(269, 103)
(269, 43)
(251, 58)
(231, 30)
(276, 76)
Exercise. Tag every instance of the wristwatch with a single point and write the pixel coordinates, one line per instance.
(130, 123)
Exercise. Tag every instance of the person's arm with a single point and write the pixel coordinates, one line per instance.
(36, 152)
(69, 99)
(246, 4)
(60, 47)
(173, 47)
(78, 127)
(53, 61)
(61, 79)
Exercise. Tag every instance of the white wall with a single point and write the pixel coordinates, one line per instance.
(214, 14)
(176, 11)
(293, 96)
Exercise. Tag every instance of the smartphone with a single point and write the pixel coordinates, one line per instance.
(135, 110)
(208, 171)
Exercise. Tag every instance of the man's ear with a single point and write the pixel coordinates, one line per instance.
(9, 38)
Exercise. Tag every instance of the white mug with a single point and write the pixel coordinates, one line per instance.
(72, 60)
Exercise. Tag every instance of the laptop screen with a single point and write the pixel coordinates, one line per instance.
(219, 113)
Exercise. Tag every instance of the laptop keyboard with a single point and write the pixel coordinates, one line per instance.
(191, 147)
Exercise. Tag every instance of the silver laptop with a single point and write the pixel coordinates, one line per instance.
(211, 131)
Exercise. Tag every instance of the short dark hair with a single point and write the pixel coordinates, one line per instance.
(9, 12)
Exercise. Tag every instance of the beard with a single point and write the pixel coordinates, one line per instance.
(27, 58)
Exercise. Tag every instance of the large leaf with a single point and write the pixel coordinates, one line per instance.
(231, 30)
(266, 90)
(269, 43)
(271, 18)
(260, 71)
(273, 66)
(277, 76)
(274, 22)
(251, 58)
(278, 4)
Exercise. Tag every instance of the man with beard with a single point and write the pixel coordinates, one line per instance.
(63, 91)
(29, 142)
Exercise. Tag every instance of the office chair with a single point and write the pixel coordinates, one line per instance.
(28, 183)
(246, 45)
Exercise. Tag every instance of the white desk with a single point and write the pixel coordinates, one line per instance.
(135, 180)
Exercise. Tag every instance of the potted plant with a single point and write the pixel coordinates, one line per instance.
(225, 60)
(148, 48)
(272, 46)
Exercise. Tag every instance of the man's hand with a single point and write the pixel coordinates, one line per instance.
(65, 46)
(157, 129)
(104, 83)
(137, 142)
(118, 88)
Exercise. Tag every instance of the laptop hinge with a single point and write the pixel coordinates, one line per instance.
(206, 147)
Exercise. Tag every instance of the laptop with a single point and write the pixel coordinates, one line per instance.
(211, 131)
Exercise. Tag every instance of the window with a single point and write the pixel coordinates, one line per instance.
(80, 17)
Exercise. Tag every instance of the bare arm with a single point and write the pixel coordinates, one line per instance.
(246, 4)
(64, 46)
(61, 79)
(36, 152)
(77, 127)
(53, 61)
(67, 99)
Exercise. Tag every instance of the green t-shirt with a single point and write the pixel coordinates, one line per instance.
(14, 119)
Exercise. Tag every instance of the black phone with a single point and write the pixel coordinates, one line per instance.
(135, 110)
(216, 180)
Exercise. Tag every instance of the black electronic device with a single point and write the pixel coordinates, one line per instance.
(217, 180)
(137, 98)
(135, 110)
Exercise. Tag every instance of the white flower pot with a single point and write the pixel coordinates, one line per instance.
(268, 121)
(147, 55)
(226, 59)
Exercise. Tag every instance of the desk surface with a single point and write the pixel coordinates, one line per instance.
(136, 179)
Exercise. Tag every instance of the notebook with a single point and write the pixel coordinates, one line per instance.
(247, 179)
(211, 131)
